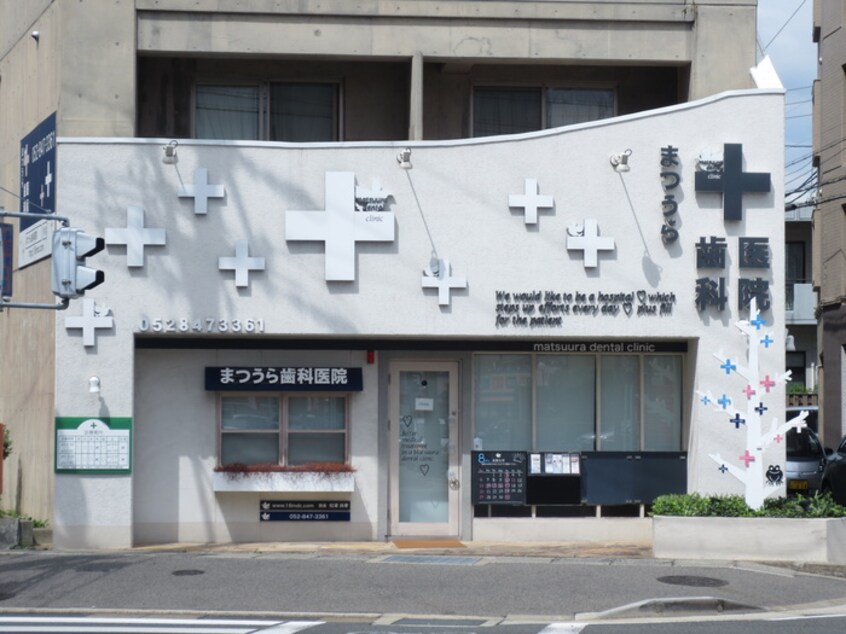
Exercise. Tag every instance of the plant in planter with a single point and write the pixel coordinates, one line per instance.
(793, 529)
(237, 470)
(309, 477)
(821, 505)
(7, 443)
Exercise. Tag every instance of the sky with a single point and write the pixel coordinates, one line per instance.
(787, 41)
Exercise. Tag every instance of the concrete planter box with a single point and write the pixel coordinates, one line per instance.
(751, 539)
(9, 532)
(284, 481)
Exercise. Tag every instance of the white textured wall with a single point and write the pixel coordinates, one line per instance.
(463, 188)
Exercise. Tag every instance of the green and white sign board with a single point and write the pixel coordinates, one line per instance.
(93, 445)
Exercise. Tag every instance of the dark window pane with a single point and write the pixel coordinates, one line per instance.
(227, 112)
(566, 106)
(249, 449)
(303, 112)
(506, 110)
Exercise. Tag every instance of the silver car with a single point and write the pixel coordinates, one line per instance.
(805, 462)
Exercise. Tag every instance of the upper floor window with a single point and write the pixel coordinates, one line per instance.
(511, 110)
(275, 111)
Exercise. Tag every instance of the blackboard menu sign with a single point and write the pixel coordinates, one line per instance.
(499, 477)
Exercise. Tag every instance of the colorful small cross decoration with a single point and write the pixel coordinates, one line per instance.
(724, 400)
(706, 400)
(761, 409)
(778, 438)
(737, 421)
(747, 458)
(749, 392)
(723, 468)
(767, 340)
(758, 322)
(767, 383)
(728, 366)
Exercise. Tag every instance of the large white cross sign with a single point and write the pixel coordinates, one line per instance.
(340, 226)
(590, 243)
(531, 201)
(89, 322)
(201, 191)
(444, 282)
(135, 236)
(242, 264)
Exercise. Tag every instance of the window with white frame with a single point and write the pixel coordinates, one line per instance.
(511, 110)
(271, 111)
(289, 429)
(578, 402)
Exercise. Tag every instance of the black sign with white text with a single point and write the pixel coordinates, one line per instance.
(304, 511)
(298, 379)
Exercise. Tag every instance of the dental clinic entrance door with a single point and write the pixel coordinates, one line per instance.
(424, 448)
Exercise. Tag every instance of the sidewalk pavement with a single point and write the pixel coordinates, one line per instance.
(435, 547)
(552, 550)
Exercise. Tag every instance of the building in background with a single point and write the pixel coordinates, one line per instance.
(829, 272)
(451, 258)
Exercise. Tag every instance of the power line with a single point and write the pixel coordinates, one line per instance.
(784, 25)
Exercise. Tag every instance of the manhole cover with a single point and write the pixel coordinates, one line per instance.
(187, 573)
(693, 581)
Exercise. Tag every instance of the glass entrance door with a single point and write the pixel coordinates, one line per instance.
(424, 448)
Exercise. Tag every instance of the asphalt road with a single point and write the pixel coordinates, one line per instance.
(365, 587)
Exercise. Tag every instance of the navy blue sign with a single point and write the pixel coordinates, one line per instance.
(284, 379)
(6, 245)
(304, 511)
(732, 181)
(38, 170)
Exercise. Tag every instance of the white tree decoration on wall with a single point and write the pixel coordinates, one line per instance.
(759, 480)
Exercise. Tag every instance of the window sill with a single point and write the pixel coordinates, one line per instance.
(291, 482)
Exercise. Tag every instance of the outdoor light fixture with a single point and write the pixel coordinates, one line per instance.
(789, 342)
(620, 162)
(35, 35)
(434, 265)
(170, 157)
(94, 385)
(404, 159)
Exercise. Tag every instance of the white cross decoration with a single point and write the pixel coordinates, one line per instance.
(135, 236)
(25, 160)
(201, 191)
(588, 241)
(242, 264)
(48, 179)
(340, 226)
(41, 196)
(89, 322)
(530, 201)
(25, 206)
(443, 281)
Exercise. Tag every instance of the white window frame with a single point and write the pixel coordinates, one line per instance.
(282, 430)
(641, 357)
(543, 88)
(264, 105)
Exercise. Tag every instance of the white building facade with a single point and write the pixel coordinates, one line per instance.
(468, 338)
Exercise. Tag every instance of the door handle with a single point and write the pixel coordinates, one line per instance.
(454, 482)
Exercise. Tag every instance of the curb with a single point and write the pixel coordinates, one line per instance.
(671, 607)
